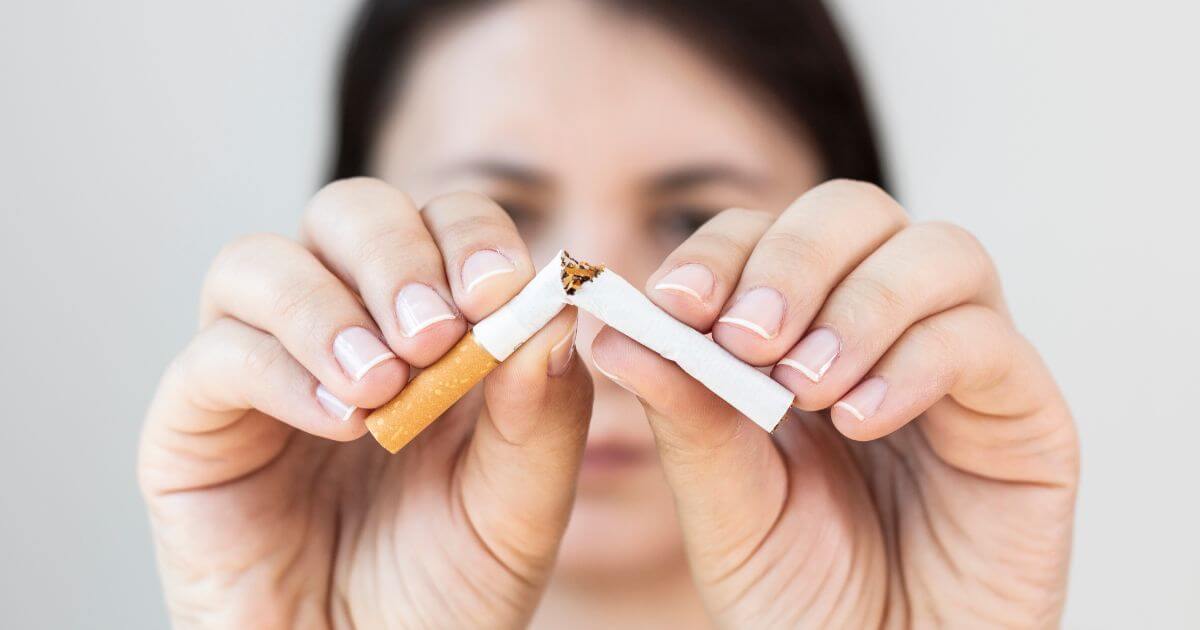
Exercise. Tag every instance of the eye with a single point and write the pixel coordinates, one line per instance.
(680, 221)
(522, 214)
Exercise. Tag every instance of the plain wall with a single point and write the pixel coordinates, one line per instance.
(138, 136)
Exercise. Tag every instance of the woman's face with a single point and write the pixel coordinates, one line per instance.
(604, 134)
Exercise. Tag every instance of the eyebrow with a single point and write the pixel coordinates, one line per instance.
(501, 169)
(681, 179)
(672, 181)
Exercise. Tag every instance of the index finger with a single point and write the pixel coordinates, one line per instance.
(487, 262)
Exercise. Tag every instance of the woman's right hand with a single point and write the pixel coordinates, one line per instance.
(264, 517)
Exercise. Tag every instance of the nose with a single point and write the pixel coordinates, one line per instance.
(597, 238)
(615, 237)
(612, 236)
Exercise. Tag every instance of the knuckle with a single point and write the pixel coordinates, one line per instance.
(865, 196)
(383, 247)
(198, 357)
(746, 215)
(351, 189)
(972, 247)
(845, 183)
(477, 230)
(953, 333)
(985, 323)
(467, 219)
(351, 195)
(245, 251)
(263, 356)
(250, 246)
(799, 251)
(297, 299)
(462, 199)
(854, 188)
(936, 338)
(720, 243)
(183, 367)
(874, 293)
(968, 250)
(951, 232)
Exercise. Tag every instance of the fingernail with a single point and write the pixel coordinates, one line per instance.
(814, 354)
(484, 265)
(626, 386)
(692, 279)
(561, 353)
(418, 307)
(335, 407)
(863, 401)
(358, 350)
(759, 311)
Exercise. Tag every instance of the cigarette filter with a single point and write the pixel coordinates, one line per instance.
(612, 300)
(431, 393)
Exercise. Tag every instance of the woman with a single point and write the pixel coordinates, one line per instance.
(927, 475)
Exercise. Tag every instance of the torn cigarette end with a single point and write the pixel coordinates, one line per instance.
(612, 300)
(576, 273)
(430, 394)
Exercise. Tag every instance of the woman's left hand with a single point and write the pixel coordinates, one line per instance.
(952, 500)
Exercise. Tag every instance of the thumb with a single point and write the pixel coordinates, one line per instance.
(727, 475)
(518, 474)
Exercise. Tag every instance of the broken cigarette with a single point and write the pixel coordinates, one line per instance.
(491, 341)
(612, 300)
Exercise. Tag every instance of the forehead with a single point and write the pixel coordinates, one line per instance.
(566, 81)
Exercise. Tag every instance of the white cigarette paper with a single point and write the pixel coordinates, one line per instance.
(612, 300)
(502, 332)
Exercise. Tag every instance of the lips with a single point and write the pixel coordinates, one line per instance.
(614, 456)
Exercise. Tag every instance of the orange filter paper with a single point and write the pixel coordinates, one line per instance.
(430, 394)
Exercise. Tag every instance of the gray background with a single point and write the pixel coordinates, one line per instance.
(137, 136)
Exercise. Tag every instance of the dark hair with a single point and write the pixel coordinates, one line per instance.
(789, 48)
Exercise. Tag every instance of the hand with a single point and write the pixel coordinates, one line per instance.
(263, 519)
(939, 488)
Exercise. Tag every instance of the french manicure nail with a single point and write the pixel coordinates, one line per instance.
(759, 311)
(358, 350)
(616, 379)
(561, 353)
(335, 407)
(863, 401)
(814, 354)
(693, 279)
(484, 265)
(418, 307)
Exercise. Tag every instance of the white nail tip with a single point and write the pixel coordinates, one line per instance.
(420, 327)
(746, 325)
(622, 384)
(335, 407)
(569, 338)
(678, 288)
(850, 408)
(481, 278)
(803, 369)
(366, 367)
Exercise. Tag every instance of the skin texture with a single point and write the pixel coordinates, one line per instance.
(264, 518)
(949, 503)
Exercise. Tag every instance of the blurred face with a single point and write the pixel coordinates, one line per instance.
(612, 137)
